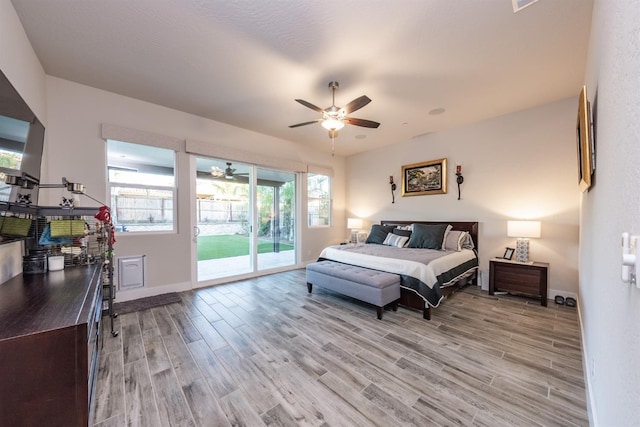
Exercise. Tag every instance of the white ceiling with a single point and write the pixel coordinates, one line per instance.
(244, 62)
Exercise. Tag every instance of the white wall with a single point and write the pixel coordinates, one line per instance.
(522, 165)
(610, 309)
(77, 152)
(19, 63)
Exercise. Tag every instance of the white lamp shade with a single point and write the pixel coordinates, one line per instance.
(525, 229)
(354, 223)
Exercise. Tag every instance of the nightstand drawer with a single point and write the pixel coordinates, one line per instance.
(527, 281)
(523, 278)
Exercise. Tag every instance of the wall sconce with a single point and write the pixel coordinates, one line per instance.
(460, 178)
(354, 224)
(523, 230)
(393, 188)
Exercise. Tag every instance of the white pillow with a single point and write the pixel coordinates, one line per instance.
(395, 240)
(467, 243)
(444, 238)
(455, 240)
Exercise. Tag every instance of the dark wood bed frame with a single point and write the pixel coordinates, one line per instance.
(413, 300)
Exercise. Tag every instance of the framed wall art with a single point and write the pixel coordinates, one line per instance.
(584, 142)
(419, 179)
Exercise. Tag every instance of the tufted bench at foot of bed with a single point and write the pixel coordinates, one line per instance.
(371, 286)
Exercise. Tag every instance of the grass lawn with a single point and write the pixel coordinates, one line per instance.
(214, 247)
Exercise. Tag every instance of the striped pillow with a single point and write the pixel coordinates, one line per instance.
(395, 240)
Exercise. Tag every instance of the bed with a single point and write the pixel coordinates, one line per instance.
(427, 275)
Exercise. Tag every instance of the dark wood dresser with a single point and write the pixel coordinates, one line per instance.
(49, 337)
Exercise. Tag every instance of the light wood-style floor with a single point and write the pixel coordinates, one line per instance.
(264, 352)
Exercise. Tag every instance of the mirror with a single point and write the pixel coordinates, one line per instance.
(21, 142)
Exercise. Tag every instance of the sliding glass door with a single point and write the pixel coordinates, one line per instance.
(276, 219)
(245, 219)
(223, 219)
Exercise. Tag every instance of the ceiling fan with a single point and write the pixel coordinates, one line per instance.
(228, 173)
(334, 118)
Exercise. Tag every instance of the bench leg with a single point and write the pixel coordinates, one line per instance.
(394, 305)
(379, 310)
(309, 287)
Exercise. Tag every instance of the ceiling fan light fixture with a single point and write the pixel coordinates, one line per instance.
(229, 171)
(332, 123)
(216, 171)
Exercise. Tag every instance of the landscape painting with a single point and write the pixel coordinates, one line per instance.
(425, 178)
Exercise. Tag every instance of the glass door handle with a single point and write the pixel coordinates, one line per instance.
(196, 231)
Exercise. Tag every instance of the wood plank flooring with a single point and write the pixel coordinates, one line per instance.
(264, 352)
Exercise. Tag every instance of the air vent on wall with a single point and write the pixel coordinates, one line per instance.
(518, 5)
(131, 272)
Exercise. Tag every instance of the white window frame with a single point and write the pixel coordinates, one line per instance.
(173, 189)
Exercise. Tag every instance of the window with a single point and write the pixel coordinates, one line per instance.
(319, 200)
(142, 186)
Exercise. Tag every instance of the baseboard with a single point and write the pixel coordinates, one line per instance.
(131, 294)
(586, 368)
(123, 295)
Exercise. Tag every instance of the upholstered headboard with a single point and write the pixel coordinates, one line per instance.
(471, 227)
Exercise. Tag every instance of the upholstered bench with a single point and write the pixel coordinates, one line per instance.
(371, 286)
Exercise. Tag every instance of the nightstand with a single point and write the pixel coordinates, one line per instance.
(528, 279)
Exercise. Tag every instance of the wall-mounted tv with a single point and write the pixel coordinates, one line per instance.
(584, 141)
(21, 141)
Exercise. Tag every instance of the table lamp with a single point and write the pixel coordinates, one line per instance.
(354, 224)
(523, 230)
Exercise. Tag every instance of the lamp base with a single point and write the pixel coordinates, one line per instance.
(522, 250)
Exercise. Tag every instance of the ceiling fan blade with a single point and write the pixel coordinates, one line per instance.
(361, 122)
(357, 104)
(305, 123)
(310, 105)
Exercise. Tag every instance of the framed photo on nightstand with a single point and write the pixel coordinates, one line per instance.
(508, 253)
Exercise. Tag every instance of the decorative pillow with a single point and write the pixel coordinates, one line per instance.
(401, 232)
(395, 240)
(379, 233)
(446, 232)
(454, 240)
(405, 227)
(468, 242)
(427, 236)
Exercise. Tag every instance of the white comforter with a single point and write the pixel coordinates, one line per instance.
(423, 264)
